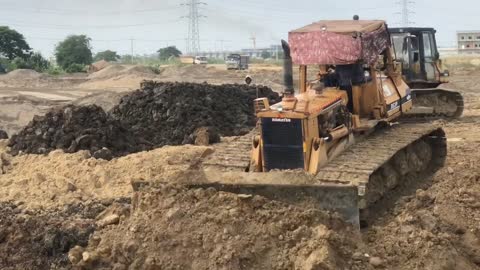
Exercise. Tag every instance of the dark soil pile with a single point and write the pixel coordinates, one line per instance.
(166, 113)
(156, 115)
(175, 228)
(3, 135)
(36, 239)
(73, 128)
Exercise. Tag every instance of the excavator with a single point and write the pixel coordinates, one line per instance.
(416, 51)
(337, 140)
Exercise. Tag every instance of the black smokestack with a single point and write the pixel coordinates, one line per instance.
(287, 69)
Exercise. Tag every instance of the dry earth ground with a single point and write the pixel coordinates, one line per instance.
(50, 205)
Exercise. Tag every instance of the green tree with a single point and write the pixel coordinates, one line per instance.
(266, 55)
(167, 52)
(74, 68)
(13, 44)
(35, 61)
(74, 50)
(107, 55)
(38, 62)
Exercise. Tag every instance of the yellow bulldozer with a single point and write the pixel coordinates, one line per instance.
(417, 53)
(339, 139)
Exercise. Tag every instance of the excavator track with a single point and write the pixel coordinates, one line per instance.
(436, 103)
(359, 177)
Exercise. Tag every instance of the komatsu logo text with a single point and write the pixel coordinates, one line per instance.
(282, 120)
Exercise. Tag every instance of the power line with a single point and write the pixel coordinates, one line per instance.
(70, 26)
(80, 12)
(193, 37)
(105, 40)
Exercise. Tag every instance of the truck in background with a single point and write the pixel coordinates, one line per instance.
(195, 60)
(200, 60)
(186, 59)
(237, 61)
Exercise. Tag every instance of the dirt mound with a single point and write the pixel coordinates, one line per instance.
(139, 69)
(59, 179)
(180, 71)
(174, 228)
(159, 114)
(118, 78)
(41, 239)
(105, 99)
(438, 227)
(109, 71)
(17, 111)
(169, 113)
(73, 128)
(23, 74)
(23, 78)
(117, 70)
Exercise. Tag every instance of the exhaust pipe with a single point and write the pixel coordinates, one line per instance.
(287, 69)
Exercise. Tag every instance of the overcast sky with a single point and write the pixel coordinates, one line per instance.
(156, 23)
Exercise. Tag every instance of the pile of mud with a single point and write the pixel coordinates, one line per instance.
(159, 114)
(72, 129)
(169, 113)
(175, 228)
(37, 239)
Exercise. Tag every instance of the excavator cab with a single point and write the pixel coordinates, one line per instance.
(416, 50)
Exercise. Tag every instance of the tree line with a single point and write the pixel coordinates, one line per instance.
(74, 54)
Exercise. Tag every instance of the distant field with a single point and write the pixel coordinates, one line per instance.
(462, 62)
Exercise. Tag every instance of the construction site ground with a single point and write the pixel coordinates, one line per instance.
(70, 211)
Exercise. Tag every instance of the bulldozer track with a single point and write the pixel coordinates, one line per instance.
(359, 162)
(437, 97)
(362, 165)
(232, 155)
(355, 164)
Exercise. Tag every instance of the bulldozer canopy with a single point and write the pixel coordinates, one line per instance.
(339, 42)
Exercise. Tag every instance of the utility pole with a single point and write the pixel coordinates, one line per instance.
(131, 51)
(405, 12)
(193, 37)
(254, 39)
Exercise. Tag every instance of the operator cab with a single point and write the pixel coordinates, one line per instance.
(316, 121)
(416, 50)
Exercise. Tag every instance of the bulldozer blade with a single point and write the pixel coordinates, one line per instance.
(342, 199)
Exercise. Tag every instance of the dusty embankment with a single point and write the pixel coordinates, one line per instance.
(61, 211)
